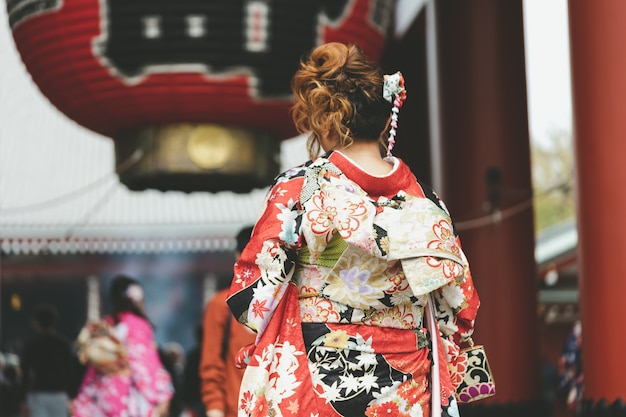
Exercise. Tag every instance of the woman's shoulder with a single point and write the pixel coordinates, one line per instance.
(432, 195)
(301, 170)
(288, 183)
(293, 172)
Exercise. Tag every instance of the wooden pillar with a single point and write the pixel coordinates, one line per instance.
(598, 58)
(487, 185)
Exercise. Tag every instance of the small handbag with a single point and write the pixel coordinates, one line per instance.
(477, 382)
(98, 346)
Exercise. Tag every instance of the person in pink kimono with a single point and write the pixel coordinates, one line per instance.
(141, 387)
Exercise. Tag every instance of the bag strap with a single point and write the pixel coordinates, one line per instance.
(433, 329)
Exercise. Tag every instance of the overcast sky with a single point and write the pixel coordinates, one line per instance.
(547, 67)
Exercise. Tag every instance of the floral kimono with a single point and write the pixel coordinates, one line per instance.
(132, 393)
(335, 280)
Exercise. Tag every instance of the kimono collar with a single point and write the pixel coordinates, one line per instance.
(400, 178)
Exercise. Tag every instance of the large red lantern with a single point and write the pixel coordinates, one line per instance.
(194, 93)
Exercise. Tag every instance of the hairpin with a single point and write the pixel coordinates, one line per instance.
(134, 293)
(394, 92)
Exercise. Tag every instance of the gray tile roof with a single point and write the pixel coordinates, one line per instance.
(556, 241)
(58, 188)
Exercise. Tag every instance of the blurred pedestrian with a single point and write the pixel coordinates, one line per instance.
(190, 396)
(47, 366)
(139, 386)
(571, 370)
(10, 387)
(172, 356)
(223, 336)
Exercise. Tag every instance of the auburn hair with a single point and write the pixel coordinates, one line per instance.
(338, 90)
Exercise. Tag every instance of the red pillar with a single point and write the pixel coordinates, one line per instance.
(598, 58)
(484, 125)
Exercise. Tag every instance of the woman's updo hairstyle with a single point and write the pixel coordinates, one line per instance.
(125, 295)
(338, 89)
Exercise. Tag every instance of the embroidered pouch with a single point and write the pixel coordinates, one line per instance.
(477, 383)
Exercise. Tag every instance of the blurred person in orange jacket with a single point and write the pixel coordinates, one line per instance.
(222, 338)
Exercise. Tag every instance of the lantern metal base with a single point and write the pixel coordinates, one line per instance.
(196, 157)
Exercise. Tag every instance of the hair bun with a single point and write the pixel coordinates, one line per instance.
(329, 59)
(338, 89)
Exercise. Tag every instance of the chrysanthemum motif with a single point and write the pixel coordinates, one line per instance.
(320, 216)
(329, 213)
(399, 317)
(446, 240)
(353, 287)
(453, 295)
(260, 407)
(405, 401)
(384, 244)
(336, 339)
(385, 409)
(316, 309)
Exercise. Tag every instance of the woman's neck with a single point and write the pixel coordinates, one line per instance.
(366, 154)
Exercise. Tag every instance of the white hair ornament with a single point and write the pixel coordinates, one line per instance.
(394, 92)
